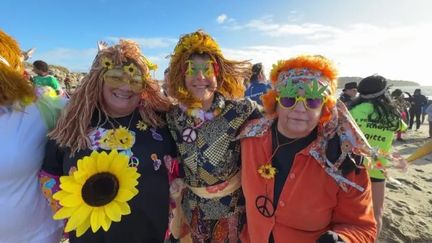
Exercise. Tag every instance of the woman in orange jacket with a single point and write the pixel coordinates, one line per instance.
(302, 172)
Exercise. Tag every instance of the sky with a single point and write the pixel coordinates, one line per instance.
(392, 38)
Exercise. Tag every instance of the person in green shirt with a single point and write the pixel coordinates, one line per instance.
(379, 119)
(43, 78)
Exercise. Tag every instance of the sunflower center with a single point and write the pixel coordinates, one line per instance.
(100, 189)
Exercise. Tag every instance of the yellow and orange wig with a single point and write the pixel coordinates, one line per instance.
(73, 125)
(316, 62)
(230, 74)
(14, 87)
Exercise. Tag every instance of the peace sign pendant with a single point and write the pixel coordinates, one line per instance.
(189, 135)
(265, 206)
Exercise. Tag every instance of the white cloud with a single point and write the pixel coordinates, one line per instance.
(397, 52)
(267, 26)
(221, 18)
(77, 60)
(150, 43)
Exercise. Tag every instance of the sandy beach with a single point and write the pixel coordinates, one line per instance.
(408, 204)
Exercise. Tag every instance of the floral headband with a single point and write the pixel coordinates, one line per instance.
(312, 81)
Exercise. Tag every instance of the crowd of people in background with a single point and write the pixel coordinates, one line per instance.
(215, 154)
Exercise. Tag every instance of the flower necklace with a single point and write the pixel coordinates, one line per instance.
(263, 203)
(189, 134)
(199, 115)
(267, 171)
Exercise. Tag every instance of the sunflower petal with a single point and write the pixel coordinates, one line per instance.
(124, 195)
(80, 215)
(124, 208)
(69, 226)
(134, 191)
(108, 223)
(112, 210)
(82, 228)
(80, 176)
(71, 186)
(89, 164)
(94, 219)
(63, 213)
(105, 222)
(80, 165)
(60, 195)
(71, 200)
(118, 163)
(103, 162)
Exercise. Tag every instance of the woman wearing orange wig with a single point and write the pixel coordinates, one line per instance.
(204, 125)
(302, 175)
(26, 116)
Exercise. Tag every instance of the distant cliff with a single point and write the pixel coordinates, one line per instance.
(60, 72)
(343, 80)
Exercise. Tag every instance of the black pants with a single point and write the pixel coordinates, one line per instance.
(415, 113)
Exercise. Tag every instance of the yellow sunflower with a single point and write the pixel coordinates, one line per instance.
(106, 62)
(131, 69)
(267, 171)
(142, 126)
(97, 193)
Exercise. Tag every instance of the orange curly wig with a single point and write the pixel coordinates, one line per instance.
(14, 87)
(316, 62)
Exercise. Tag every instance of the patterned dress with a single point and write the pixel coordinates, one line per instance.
(209, 160)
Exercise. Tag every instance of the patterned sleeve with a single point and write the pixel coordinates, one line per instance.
(170, 119)
(49, 176)
(253, 110)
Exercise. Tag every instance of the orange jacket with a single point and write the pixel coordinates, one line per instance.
(310, 203)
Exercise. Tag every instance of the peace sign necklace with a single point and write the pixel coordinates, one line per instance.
(263, 203)
(199, 116)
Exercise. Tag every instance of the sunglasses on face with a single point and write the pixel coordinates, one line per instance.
(194, 69)
(309, 103)
(135, 84)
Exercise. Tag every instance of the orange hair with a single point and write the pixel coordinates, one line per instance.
(14, 87)
(316, 62)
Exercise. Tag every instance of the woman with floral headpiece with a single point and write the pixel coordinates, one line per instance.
(109, 148)
(26, 116)
(302, 175)
(204, 125)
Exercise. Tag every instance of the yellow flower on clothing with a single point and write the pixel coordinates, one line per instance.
(97, 193)
(123, 137)
(120, 138)
(142, 126)
(267, 171)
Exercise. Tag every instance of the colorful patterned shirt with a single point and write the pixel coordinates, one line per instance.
(214, 157)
